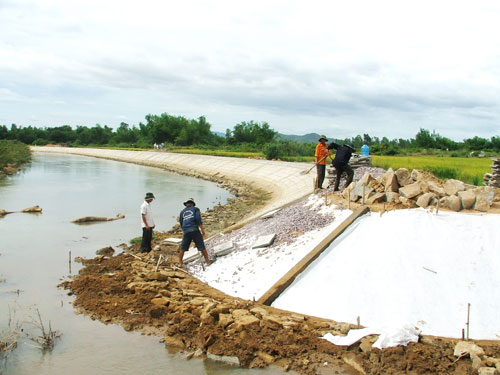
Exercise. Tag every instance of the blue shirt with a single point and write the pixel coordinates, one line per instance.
(190, 219)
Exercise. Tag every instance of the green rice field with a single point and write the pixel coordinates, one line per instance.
(469, 170)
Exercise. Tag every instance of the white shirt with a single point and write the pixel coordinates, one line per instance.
(146, 210)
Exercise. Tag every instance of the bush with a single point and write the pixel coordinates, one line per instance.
(13, 153)
(40, 142)
(273, 151)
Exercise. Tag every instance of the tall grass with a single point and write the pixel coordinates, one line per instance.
(469, 170)
(13, 153)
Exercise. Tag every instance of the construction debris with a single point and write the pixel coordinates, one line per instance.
(419, 189)
(493, 179)
(264, 241)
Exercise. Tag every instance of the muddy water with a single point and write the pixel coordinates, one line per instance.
(35, 258)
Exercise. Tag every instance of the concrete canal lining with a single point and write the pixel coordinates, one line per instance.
(283, 180)
(283, 283)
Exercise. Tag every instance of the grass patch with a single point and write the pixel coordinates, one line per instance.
(13, 153)
(469, 170)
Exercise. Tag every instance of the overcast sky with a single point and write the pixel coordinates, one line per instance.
(342, 68)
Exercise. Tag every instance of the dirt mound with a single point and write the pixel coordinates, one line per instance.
(127, 289)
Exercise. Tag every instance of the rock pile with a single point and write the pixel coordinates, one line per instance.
(419, 189)
(493, 179)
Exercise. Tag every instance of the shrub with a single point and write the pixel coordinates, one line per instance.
(273, 151)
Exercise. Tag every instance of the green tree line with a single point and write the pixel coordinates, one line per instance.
(245, 136)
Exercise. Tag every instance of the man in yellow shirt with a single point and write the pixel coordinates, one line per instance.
(320, 155)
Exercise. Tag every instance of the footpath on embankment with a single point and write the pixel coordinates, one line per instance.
(284, 181)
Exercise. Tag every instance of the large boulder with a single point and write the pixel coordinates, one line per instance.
(424, 199)
(481, 204)
(468, 198)
(454, 203)
(404, 177)
(487, 192)
(390, 182)
(452, 187)
(411, 190)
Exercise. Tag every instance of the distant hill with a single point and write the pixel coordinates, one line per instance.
(306, 138)
(220, 134)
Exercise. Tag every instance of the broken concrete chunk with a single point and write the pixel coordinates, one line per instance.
(410, 191)
(224, 248)
(452, 187)
(172, 241)
(264, 241)
(467, 347)
(224, 358)
(269, 214)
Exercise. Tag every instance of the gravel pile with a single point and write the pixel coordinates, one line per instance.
(288, 223)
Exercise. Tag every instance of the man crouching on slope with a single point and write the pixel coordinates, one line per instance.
(190, 220)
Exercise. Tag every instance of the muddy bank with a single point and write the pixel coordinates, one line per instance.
(188, 314)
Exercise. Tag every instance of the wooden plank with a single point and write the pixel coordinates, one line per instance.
(283, 283)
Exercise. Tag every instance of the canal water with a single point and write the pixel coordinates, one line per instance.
(34, 259)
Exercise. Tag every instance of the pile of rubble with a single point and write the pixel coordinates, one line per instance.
(493, 179)
(419, 189)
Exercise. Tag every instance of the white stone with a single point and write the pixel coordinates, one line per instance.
(264, 241)
(269, 214)
(224, 248)
(486, 371)
(467, 347)
(172, 241)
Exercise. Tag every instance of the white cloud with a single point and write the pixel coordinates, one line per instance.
(384, 68)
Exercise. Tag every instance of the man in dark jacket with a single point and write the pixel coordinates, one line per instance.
(341, 162)
(190, 221)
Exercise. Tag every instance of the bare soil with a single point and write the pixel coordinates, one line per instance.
(132, 290)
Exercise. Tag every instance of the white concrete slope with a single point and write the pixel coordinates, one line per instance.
(283, 180)
(408, 267)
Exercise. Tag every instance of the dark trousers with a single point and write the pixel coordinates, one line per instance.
(147, 236)
(320, 168)
(341, 169)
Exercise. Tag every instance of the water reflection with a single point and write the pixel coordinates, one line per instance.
(34, 258)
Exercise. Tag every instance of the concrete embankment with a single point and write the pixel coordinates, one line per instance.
(283, 180)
